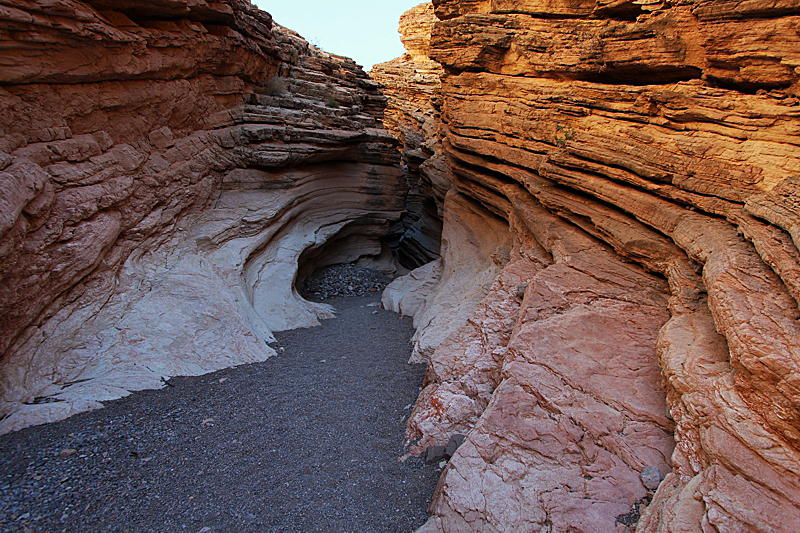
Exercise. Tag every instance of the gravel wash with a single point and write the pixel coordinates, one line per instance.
(344, 280)
(308, 441)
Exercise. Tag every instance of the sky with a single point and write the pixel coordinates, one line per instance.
(365, 30)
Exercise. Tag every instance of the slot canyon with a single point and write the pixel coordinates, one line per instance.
(591, 207)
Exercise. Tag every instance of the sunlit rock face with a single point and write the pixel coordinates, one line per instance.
(164, 168)
(618, 288)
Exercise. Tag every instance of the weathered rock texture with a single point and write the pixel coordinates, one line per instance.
(413, 85)
(619, 273)
(165, 166)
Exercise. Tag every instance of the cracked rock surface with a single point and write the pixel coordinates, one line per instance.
(617, 294)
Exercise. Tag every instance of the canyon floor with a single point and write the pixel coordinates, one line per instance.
(307, 441)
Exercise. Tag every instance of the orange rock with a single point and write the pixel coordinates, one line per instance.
(636, 153)
(413, 85)
(165, 167)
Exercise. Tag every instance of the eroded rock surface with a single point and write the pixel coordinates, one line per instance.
(619, 271)
(165, 167)
(412, 84)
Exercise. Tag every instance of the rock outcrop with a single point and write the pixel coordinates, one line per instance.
(617, 297)
(166, 168)
(412, 84)
(612, 319)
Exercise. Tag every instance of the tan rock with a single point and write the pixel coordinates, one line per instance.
(406, 295)
(413, 85)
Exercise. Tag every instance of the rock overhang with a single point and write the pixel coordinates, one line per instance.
(161, 199)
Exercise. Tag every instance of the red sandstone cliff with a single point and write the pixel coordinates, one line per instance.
(619, 285)
(617, 181)
(165, 167)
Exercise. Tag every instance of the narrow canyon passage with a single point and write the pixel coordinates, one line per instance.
(591, 209)
(307, 441)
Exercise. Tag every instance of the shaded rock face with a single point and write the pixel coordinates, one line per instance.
(412, 84)
(165, 167)
(617, 294)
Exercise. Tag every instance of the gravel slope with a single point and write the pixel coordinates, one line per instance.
(308, 441)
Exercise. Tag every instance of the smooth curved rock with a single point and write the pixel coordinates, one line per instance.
(160, 188)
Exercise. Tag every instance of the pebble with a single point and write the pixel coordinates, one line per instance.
(651, 477)
(135, 465)
(344, 280)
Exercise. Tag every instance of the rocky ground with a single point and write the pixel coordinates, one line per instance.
(308, 441)
(344, 280)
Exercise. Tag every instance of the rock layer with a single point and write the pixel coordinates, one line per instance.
(619, 273)
(412, 83)
(166, 166)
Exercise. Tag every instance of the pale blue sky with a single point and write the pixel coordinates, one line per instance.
(365, 30)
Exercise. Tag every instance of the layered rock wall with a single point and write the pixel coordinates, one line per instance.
(619, 271)
(412, 83)
(165, 167)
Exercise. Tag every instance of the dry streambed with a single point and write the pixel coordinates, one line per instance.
(308, 441)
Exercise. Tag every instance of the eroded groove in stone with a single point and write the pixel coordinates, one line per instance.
(164, 169)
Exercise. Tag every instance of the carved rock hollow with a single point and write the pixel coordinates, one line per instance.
(166, 167)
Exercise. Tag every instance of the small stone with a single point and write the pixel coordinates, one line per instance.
(651, 477)
(453, 444)
(434, 454)
(521, 288)
(67, 452)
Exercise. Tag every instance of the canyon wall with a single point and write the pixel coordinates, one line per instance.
(617, 297)
(412, 83)
(166, 167)
(614, 183)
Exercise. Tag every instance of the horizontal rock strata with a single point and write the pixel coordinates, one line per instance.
(165, 167)
(627, 173)
(412, 83)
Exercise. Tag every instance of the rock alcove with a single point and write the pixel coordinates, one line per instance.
(616, 291)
